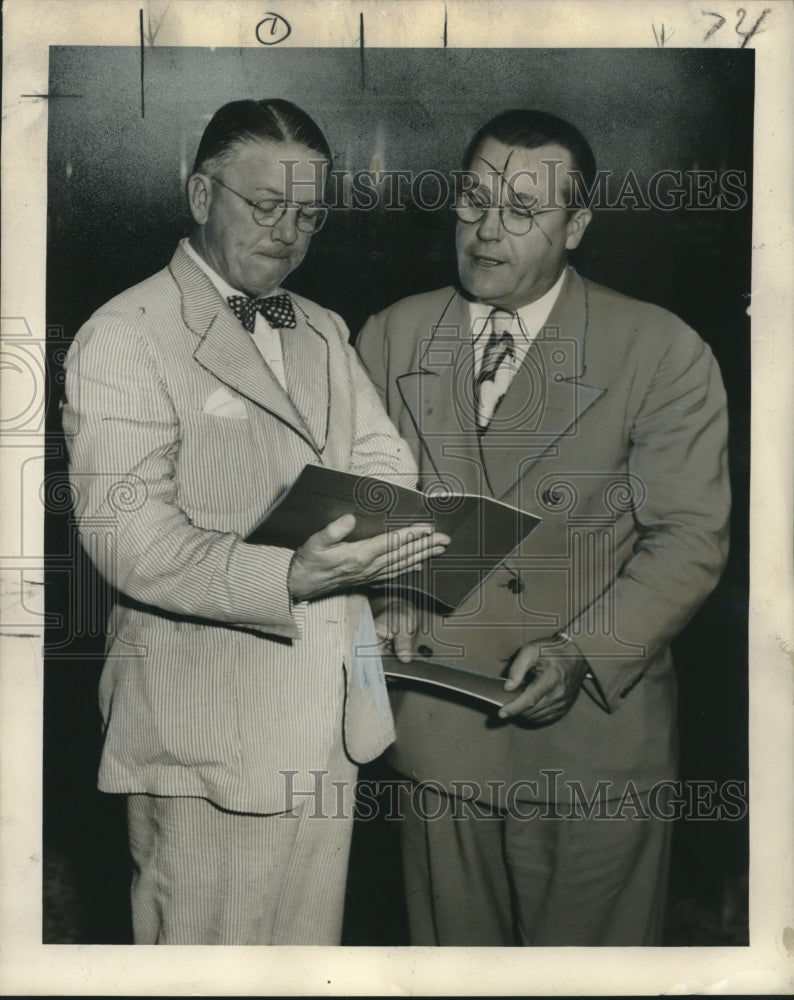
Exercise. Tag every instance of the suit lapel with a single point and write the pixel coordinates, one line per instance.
(544, 400)
(226, 350)
(547, 396)
(439, 396)
(306, 366)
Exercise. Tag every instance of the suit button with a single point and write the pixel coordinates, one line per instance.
(424, 650)
(515, 586)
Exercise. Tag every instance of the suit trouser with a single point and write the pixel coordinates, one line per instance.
(500, 879)
(204, 875)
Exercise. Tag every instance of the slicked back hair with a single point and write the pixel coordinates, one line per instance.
(274, 120)
(530, 129)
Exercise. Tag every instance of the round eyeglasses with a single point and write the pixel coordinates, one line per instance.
(515, 218)
(270, 211)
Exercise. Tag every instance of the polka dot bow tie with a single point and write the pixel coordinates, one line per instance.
(277, 310)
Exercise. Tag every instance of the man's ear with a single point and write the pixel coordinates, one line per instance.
(577, 224)
(199, 196)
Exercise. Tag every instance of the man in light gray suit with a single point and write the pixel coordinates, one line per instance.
(235, 706)
(547, 823)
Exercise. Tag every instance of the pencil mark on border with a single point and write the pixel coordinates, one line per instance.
(151, 35)
(445, 25)
(661, 36)
(714, 27)
(361, 47)
(741, 14)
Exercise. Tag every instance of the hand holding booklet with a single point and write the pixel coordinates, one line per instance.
(483, 531)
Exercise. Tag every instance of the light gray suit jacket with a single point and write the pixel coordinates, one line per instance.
(180, 438)
(614, 433)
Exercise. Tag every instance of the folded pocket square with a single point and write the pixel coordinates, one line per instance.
(223, 404)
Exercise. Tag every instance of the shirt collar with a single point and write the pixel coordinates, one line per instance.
(532, 316)
(220, 283)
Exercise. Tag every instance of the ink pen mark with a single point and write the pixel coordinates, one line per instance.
(445, 25)
(50, 97)
(20, 635)
(277, 28)
(140, 25)
(361, 47)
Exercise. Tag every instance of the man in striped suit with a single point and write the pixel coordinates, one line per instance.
(235, 704)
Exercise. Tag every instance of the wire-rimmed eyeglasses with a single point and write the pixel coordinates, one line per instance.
(515, 218)
(270, 211)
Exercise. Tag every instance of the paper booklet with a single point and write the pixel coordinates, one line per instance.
(480, 686)
(483, 531)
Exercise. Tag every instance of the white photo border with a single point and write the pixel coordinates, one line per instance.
(30, 968)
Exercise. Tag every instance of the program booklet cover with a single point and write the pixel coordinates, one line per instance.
(483, 531)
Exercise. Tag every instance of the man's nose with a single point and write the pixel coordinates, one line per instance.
(286, 229)
(490, 225)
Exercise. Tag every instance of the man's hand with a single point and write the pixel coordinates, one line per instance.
(554, 682)
(396, 623)
(326, 562)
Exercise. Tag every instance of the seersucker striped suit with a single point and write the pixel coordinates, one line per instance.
(180, 438)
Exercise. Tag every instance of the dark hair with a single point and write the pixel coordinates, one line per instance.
(246, 121)
(530, 129)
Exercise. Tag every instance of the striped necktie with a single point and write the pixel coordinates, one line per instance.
(495, 372)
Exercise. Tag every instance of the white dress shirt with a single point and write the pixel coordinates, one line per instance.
(530, 322)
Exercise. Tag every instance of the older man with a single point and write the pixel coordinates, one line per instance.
(235, 707)
(547, 823)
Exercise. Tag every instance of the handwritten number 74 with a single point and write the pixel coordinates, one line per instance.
(741, 15)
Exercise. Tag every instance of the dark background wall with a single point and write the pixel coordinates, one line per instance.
(116, 210)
